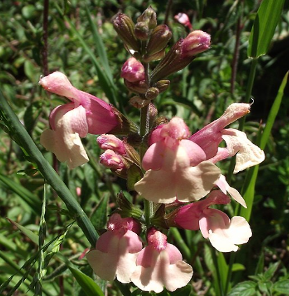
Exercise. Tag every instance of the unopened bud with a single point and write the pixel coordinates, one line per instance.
(137, 87)
(141, 31)
(152, 93)
(149, 17)
(196, 42)
(138, 102)
(124, 27)
(133, 70)
(154, 57)
(112, 160)
(162, 85)
(159, 39)
(107, 141)
(184, 20)
(153, 113)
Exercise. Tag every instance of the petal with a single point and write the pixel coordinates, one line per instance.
(103, 264)
(162, 273)
(225, 187)
(195, 153)
(158, 186)
(154, 156)
(209, 137)
(194, 183)
(63, 141)
(248, 154)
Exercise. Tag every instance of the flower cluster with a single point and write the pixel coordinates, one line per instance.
(174, 171)
(119, 253)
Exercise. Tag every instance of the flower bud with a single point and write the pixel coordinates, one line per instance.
(107, 141)
(152, 93)
(133, 70)
(162, 85)
(138, 102)
(124, 27)
(112, 160)
(137, 87)
(149, 17)
(159, 39)
(141, 31)
(196, 42)
(154, 57)
(184, 20)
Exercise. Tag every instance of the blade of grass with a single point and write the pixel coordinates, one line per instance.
(48, 172)
(29, 198)
(267, 18)
(99, 46)
(105, 81)
(249, 186)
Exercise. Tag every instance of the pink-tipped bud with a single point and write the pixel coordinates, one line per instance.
(112, 160)
(157, 239)
(196, 42)
(107, 141)
(184, 20)
(57, 83)
(133, 70)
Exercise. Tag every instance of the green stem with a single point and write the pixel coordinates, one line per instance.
(51, 177)
(181, 243)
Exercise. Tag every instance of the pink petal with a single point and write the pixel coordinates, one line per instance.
(154, 156)
(225, 187)
(195, 153)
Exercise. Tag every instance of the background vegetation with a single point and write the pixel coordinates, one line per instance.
(82, 44)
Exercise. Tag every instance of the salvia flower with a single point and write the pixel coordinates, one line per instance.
(85, 114)
(209, 138)
(184, 20)
(175, 167)
(116, 250)
(160, 265)
(223, 233)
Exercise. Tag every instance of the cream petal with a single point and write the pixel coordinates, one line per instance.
(194, 183)
(157, 186)
(225, 238)
(100, 261)
(248, 154)
(162, 273)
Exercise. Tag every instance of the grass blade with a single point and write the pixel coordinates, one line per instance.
(252, 174)
(267, 18)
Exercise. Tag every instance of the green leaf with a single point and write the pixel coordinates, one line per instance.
(267, 18)
(282, 287)
(270, 271)
(223, 268)
(247, 288)
(34, 237)
(87, 284)
(99, 217)
(238, 267)
(251, 177)
(29, 198)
